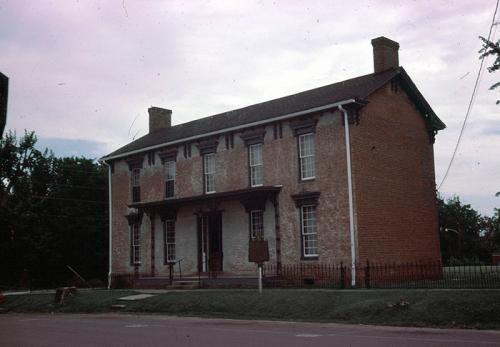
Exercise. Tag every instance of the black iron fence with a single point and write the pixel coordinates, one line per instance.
(431, 274)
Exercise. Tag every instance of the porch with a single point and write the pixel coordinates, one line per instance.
(205, 237)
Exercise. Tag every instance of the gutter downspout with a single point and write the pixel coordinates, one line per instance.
(349, 188)
(110, 223)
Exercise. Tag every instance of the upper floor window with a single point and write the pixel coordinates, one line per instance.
(309, 231)
(255, 159)
(306, 156)
(170, 168)
(135, 244)
(209, 172)
(169, 230)
(256, 224)
(135, 184)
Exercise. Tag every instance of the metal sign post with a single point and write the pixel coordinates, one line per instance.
(258, 252)
(260, 278)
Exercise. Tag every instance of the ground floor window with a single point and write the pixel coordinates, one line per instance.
(135, 244)
(309, 231)
(169, 233)
(256, 224)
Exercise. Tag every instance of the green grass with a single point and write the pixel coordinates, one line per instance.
(438, 308)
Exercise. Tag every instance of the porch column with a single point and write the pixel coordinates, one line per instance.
(152, 221)
(276, 205)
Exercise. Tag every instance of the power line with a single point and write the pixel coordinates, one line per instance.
(68, 199)
(75, 186)
(471, 102)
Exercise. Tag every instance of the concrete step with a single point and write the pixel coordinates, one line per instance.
(164, 283)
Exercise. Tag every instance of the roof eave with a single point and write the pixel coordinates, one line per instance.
(421, 103)
(221, 131)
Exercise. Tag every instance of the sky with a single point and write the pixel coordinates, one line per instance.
(83, 73)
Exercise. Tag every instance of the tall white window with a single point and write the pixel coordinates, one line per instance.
(136, 244)
(169, 240)
(209, 172)
(309, 231)
(255, 154)
(306, 156)
(256, 224)
(170, 178)
(135, 184)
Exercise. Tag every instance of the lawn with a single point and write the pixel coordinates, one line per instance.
(434, 308)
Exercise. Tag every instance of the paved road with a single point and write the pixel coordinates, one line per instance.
(148, 330)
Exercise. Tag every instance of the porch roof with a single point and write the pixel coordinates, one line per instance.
(244, 195)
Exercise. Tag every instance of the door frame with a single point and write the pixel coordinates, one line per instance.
(205, 223)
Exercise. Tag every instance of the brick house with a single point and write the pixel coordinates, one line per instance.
(343, 172)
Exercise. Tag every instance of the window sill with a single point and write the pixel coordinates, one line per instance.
(307, 179)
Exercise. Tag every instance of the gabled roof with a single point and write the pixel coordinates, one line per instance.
(355, 88)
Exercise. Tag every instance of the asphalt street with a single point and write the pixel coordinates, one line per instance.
(155, 330)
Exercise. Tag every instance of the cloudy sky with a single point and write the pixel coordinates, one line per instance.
(83, 73)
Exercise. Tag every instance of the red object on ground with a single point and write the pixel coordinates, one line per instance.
(495, 258)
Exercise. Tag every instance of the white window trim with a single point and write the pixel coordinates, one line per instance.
(167, 255)
(302, 234)
(261, 164)
(170, 162)
(135, 177)
(136, 247)
(252, 235)
(302, 178)
(207, 174)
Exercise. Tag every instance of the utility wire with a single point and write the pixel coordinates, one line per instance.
(75, 186)
(471, 102)
(68, 199)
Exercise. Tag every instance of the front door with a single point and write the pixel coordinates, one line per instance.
(210, 242)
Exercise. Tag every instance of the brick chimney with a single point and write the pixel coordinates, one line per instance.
(385, 54)
(159, 118)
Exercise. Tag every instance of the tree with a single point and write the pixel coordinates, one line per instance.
(20, 162)
(465, 235)
(53, 214)
(491, 48)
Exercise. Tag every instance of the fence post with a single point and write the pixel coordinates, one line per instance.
(342, 275)
(367, 274)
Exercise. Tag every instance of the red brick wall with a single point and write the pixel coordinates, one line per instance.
(393, 180)
(394, 183)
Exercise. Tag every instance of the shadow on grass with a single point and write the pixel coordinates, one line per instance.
(460, 308)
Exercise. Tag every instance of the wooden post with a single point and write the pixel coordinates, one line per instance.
(260, 278)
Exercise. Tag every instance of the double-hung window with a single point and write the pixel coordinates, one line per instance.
(169, 230)
(209, 172)
(306, 156)
(256, 224)
(170, 178)
(309, 231)
(135, 184)
(135, 244)
(255, 161)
